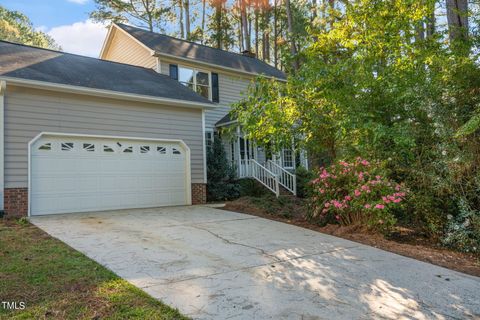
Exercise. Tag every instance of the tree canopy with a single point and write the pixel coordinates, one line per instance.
(16, 27)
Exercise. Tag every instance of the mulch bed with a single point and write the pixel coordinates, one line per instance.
(403, 241)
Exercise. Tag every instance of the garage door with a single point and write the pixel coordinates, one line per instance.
(86, 173)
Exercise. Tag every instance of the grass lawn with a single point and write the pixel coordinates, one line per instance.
(57, 282)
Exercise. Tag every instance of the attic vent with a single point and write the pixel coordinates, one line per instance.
(248, 53)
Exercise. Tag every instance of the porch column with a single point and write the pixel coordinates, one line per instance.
(239, 156)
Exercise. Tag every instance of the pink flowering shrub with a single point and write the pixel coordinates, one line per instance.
(355, 193)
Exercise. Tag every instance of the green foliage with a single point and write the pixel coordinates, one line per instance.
(370, 86)
(221, 177)
(304, 176)
(149, 13)
(251, 188)
(355, 193)
(16, 27)
(463, 231)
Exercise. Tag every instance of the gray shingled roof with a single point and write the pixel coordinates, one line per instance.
(168, 45)
(228, 118)
(25, 62)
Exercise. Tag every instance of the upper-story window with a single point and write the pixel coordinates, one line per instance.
(197, 80)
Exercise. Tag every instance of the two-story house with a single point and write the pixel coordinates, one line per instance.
(218, 75)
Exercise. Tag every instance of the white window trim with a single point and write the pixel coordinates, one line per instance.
(292, 159)
(195, 78)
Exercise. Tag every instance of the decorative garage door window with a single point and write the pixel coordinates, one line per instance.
(92, 174)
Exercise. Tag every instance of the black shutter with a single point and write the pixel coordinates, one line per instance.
(215, 90)
(174, 71)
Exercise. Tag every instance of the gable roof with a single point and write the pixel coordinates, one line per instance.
(163, 44)
(37, 64)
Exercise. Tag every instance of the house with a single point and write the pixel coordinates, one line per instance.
(128, 130)
(84, 134)
(221, 77)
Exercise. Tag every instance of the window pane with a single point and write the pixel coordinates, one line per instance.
(203, 91)
(202, 78)
(185, 75)
(189, 85)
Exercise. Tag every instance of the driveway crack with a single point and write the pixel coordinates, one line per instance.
(262, 251)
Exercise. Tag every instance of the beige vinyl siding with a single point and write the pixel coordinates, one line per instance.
(124, 49)
(231, 90)
(29, 112)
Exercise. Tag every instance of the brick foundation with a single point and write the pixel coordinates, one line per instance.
(15, 202)
(199, 193)
(16, 199)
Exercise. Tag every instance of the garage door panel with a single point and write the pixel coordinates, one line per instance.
(85, 174)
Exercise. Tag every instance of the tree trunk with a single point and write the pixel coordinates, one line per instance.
(256, 32)
(204, 2)
(314, 10)
(275, 34)
(457, 18)
(246, 36)
(180, 19)
(293, 47)
(186, 5)
(431, 20)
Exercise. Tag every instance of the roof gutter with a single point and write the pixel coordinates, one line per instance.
(105, 93)
(166, 55)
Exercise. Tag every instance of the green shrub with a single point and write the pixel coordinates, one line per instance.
(304, 176)
(221, 178)
(355, 193)
(463, 231)
(251, 188)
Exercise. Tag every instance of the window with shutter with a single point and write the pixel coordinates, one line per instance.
(174, 71)
(215, 89)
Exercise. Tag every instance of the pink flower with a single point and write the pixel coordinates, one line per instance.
(397, 187)
(368, 206)
(357, 193)
(365, 162)
(378, 177)
(343, 163)
(397, 200)
(327, 204)
(321, 190)
(324, 174)
(348, 198)
(337, 217)
(324, 211)
(380, 206)
(365, 188)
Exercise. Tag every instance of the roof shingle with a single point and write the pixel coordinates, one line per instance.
(181, 48)
(31, 63)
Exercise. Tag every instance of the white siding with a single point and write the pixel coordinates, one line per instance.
(126, 50)
(29, 112)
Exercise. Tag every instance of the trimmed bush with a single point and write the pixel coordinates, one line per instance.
(304, 177)
(221, 178)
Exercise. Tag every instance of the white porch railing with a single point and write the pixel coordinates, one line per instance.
(264, 176)
(287, 179)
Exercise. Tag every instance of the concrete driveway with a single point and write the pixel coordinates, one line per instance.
(214, 264)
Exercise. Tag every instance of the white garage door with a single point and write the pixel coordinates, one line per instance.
(86, 173)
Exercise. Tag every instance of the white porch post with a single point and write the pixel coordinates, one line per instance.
(239, 156)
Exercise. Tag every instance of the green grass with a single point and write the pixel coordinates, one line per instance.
(57, 282)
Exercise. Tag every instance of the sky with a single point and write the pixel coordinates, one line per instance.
(67, 21)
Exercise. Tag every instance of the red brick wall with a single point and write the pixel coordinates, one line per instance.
(16, 202)
(16, 199)
(199, 193)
